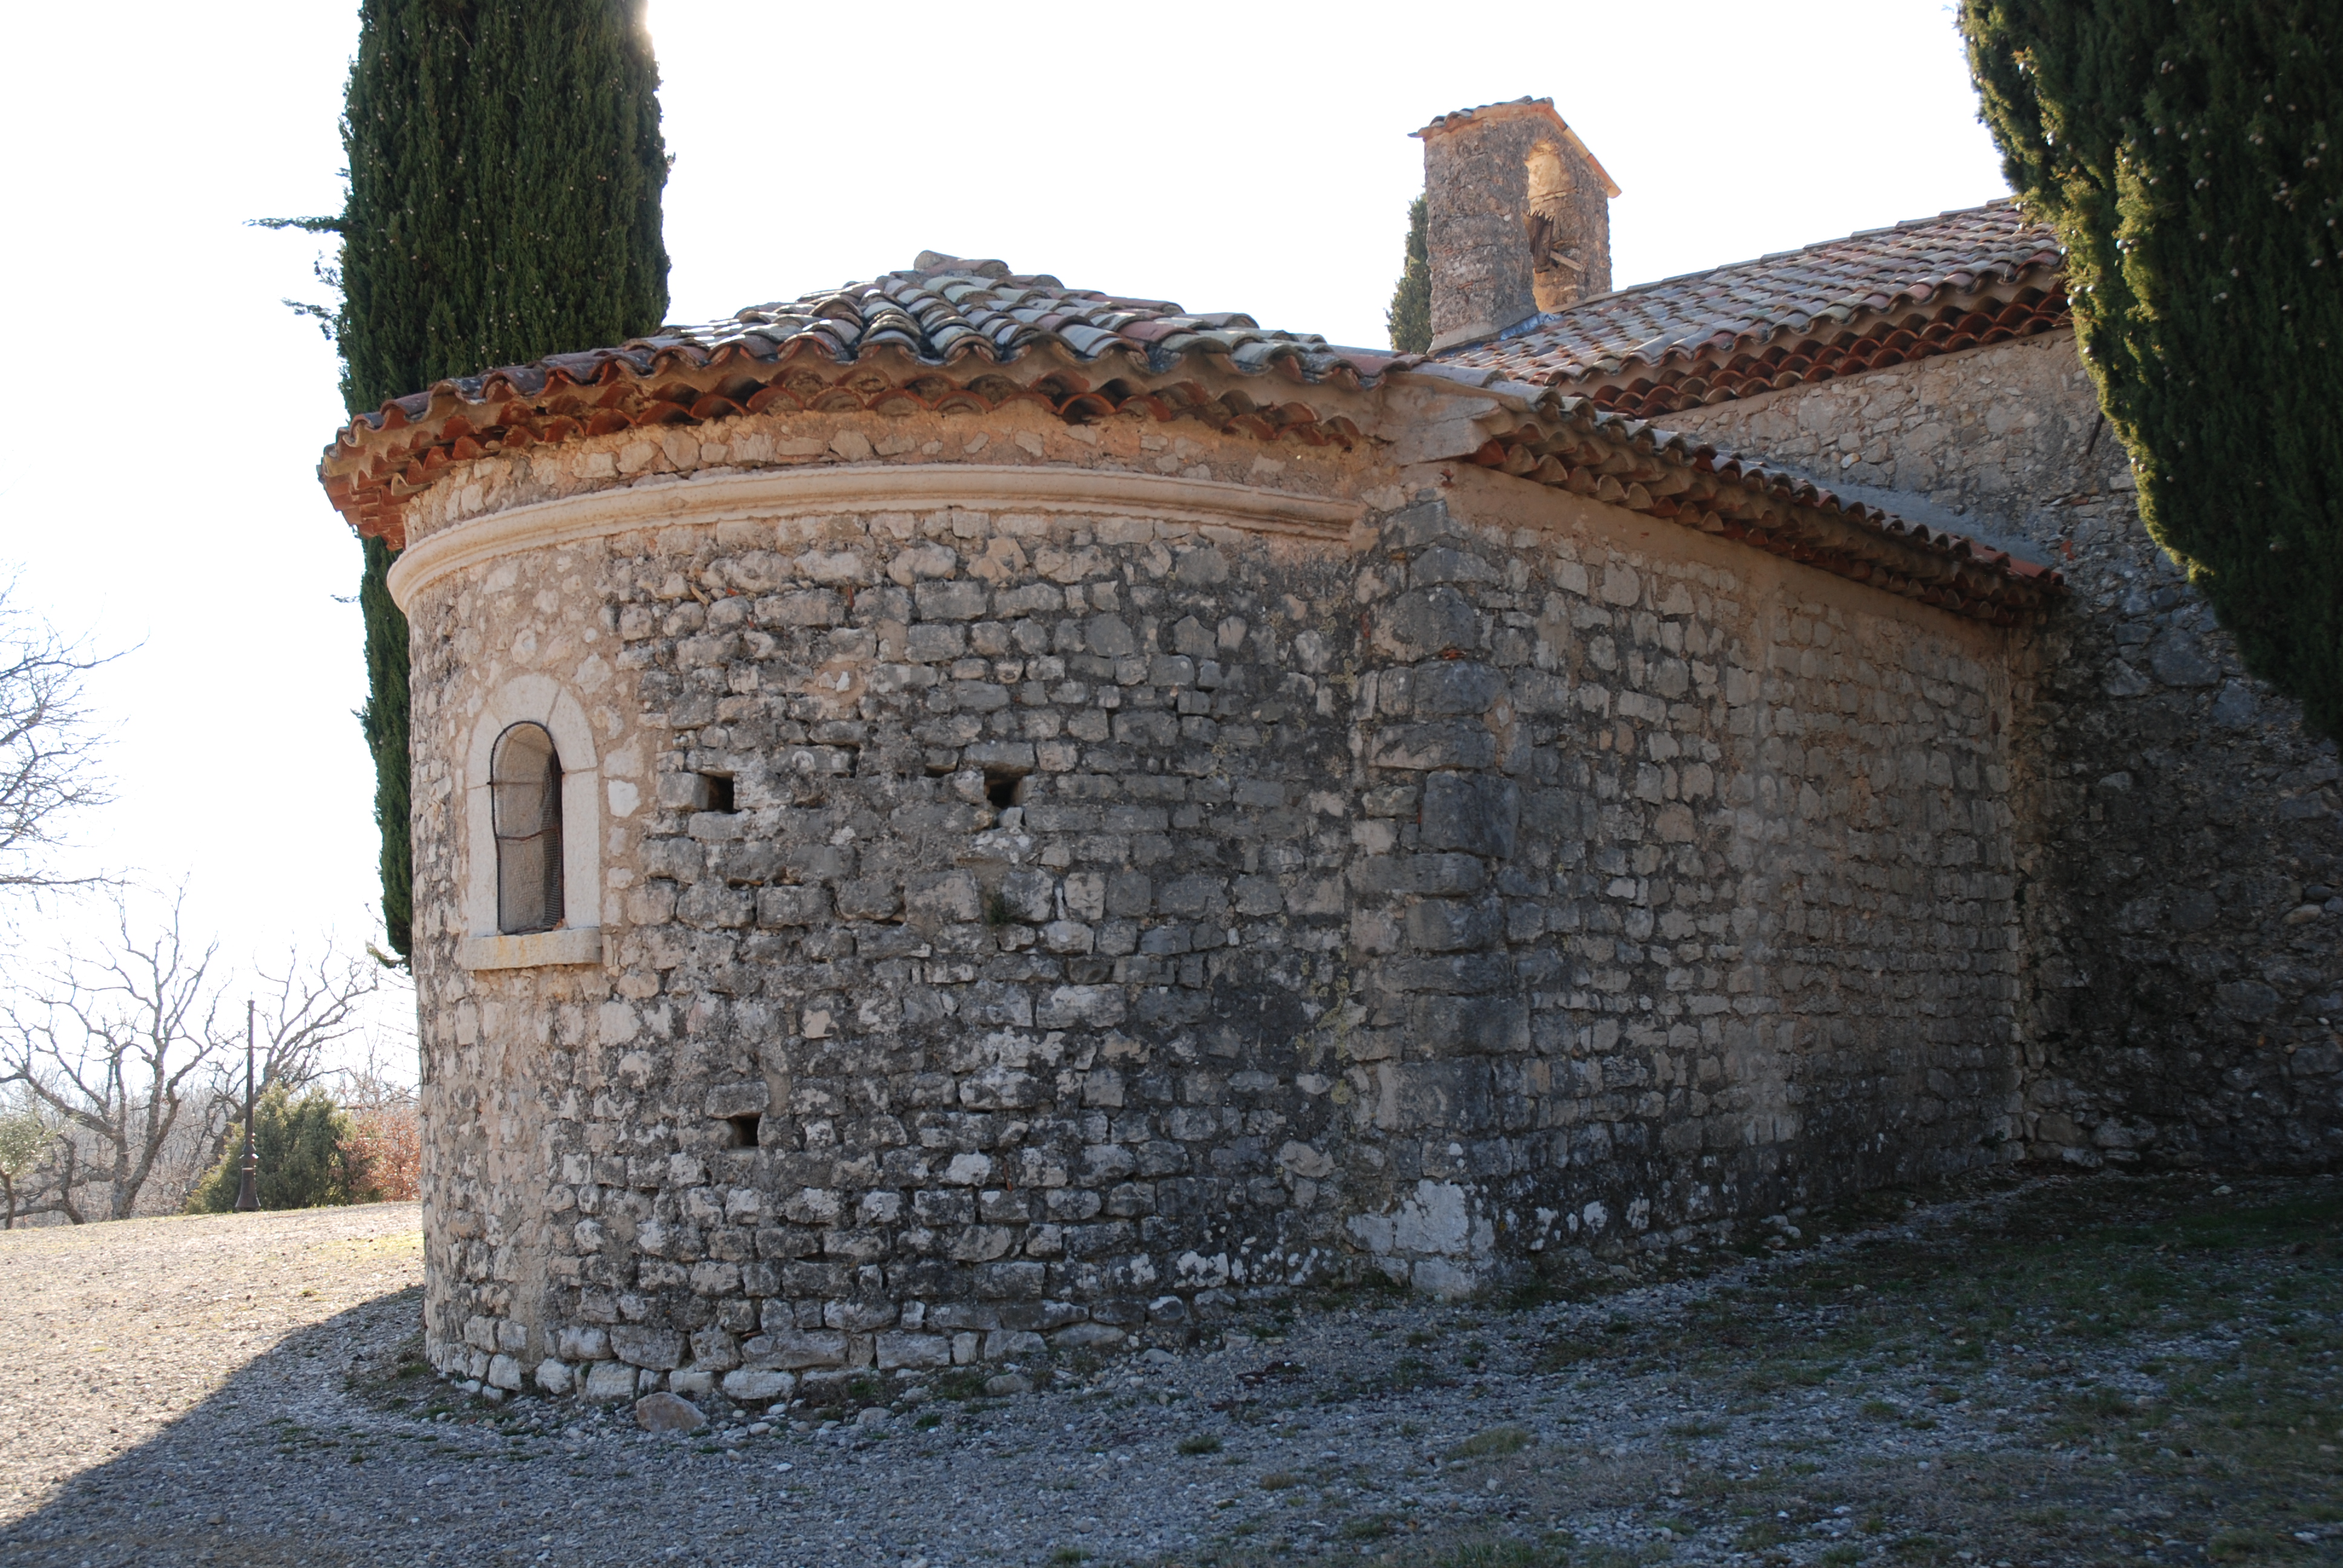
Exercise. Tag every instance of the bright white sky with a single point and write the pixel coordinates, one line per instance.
(166, 411)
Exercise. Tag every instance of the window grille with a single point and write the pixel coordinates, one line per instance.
(524, 792)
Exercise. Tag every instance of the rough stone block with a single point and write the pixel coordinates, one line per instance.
(660, 1350)
(792, 906)
(609, 1381)
(1443, 925)
(1429, 746)
(1426, 623)
(898, 1349)
(748, 1098)
(758, 1386)
(580, 1344)
(1478, 814)
(793, 1350)
(943, 896)
(1086, 1336)
(667, 1412)
(1073, 1007)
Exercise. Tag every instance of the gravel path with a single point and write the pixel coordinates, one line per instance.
(228, 1391)
(111, 1333)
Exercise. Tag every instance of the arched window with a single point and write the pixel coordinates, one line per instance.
(524, 792)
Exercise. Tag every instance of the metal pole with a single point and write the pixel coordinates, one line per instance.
(248, 1193)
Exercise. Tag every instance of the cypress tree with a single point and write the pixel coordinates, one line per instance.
(1410, 315)
(506, 166)
(2182, 152)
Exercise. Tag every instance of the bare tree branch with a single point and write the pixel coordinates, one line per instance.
(315, 1006)
(48, 746)
(109, 1044)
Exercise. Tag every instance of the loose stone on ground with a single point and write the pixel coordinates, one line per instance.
(2044, 1373)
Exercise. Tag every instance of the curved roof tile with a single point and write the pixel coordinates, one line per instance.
(963, 316)
(941, 310)
(1657, 347)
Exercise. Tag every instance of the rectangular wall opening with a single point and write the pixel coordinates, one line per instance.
(715, 792)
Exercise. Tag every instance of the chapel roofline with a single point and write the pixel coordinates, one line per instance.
(952, 337)
(1878, 296)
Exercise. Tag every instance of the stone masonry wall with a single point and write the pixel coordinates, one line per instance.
(2184, 887)
(1117, 914)
(1478, 187)
(1688, 893)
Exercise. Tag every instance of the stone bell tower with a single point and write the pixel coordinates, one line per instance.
(1519, 218)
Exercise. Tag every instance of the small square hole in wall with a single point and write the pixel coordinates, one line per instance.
(1003, 789)
(744, 1130)
(716, 792)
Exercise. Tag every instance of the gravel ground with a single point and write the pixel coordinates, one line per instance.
(2058, 1371)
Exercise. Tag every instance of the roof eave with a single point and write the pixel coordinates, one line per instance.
(1440, 413)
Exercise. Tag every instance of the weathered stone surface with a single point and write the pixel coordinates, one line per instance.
(658, 1349)
(757, 1387)
(1176, 912)
(607, 1380)
(667, 1412)
(1520, 219)
(2173, 812)
(1049, 1060)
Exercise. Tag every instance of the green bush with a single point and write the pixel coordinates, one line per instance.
(305, 1162)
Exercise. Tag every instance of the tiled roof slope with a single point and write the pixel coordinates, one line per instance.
(960, 321)
(1928, 286)
(950, 335)
(1565, 442)
(945, 310)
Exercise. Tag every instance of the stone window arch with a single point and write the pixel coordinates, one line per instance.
(532, 873)
(525, 816)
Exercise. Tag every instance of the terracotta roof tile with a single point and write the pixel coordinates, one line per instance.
(1927, 287)
(945, 327)
(956, 334)
(940, 312)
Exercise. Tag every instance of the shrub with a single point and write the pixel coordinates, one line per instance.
(387, 1142)
(306, 1160)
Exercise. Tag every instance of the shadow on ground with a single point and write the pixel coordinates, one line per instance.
(238, 1479)
(2066, 1371)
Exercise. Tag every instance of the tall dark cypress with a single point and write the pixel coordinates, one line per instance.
(505, 167)
(2187, 154)
(1410, 315)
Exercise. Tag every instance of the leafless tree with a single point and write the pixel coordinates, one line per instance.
(48, 746)
(303, 1013)
(133, 1053)
(110, 1044)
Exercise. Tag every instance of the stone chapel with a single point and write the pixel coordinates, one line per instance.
(958, 814)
